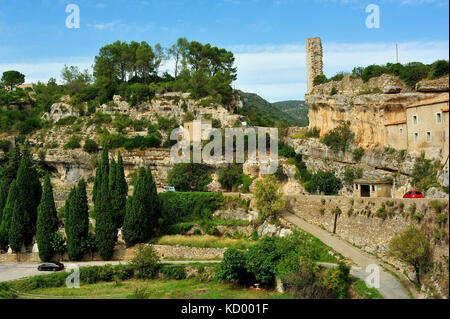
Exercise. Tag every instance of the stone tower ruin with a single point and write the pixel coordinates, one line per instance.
(314, 64)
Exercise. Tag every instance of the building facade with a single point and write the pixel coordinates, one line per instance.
(426, 129)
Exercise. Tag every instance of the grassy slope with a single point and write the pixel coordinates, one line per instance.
(267, 110)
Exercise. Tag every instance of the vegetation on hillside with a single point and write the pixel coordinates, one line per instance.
(410, 73)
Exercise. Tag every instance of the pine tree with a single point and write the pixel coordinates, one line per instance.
(141, 210)
(5, 226)
(47, 222)
(105, 228)
(120, 192)
(77, 221)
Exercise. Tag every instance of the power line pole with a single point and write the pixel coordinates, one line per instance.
(396, 48)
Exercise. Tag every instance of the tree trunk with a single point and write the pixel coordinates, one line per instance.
(417, 270)
(335, 223)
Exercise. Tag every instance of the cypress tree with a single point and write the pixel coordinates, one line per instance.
(154, 199)
(5, 226)
(112, 176)
(35, 187)
(3, 195)
(11, 171)
(22, 228)
(47, 222)
(105, 228)
(120, 192)
(77, 222)
(141, 210)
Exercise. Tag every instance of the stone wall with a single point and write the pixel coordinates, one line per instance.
(358, 223)
(314, 64)
(165, 251)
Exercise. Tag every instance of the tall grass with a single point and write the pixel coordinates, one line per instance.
(204, 241)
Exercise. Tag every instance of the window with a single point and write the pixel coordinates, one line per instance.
(439, 117)
(373, 188)
(401, 131)
(416, 137)
(428, 136)
(415, 119)
(356, 186)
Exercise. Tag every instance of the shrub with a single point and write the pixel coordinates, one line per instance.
(438, 206)
(5, 145)
(69, 120)
(262, 260)
(280, 175)
(100, 118)
(246, 183)
(73, 143)
(179, 207)
(324, 182)
(190, 177)
(439, 68)
(333, 91)
(90, 147)
(145, 262)
(231, 177)
(138, 93)
(174, 272)
(320, 79)
(357, 154)
(286, 150)
(339, 138)
(30, 125)
(232, 268)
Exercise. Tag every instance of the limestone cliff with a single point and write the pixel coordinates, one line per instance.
(368, 106)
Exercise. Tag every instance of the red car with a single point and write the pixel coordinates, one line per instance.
(413, 194)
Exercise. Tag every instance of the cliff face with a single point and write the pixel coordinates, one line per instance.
(368, 106)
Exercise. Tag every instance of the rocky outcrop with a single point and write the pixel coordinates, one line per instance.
(436, 85)
(60, 110)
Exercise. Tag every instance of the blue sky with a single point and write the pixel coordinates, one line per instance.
(267, 36)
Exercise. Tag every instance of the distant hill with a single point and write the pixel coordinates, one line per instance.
(263, 113)
(295, 109)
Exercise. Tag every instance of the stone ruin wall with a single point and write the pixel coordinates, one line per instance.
(314, 64)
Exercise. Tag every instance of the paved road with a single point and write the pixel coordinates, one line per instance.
(13, 271)
(390, 286)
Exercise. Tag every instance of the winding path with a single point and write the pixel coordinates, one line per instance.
(390, 286)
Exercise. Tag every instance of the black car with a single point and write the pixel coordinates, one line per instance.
(56, 266)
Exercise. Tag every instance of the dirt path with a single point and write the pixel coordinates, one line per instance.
(390, 286)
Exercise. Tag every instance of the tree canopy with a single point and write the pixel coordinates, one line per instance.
(12, 78)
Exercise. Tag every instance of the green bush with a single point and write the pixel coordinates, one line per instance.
(188, 177)
(90, 147)
(439, 68)
(145, 262)
(286, 150)
(69, 120)
(30, 125)
(339, 138)
(320, 79)
(137, 93)
(357, 154)
(324, 182)
(5, 145)
(262, 260)
(173, 272)
(182, 207)
(73, 143)
(233, 267)
(230, 178)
